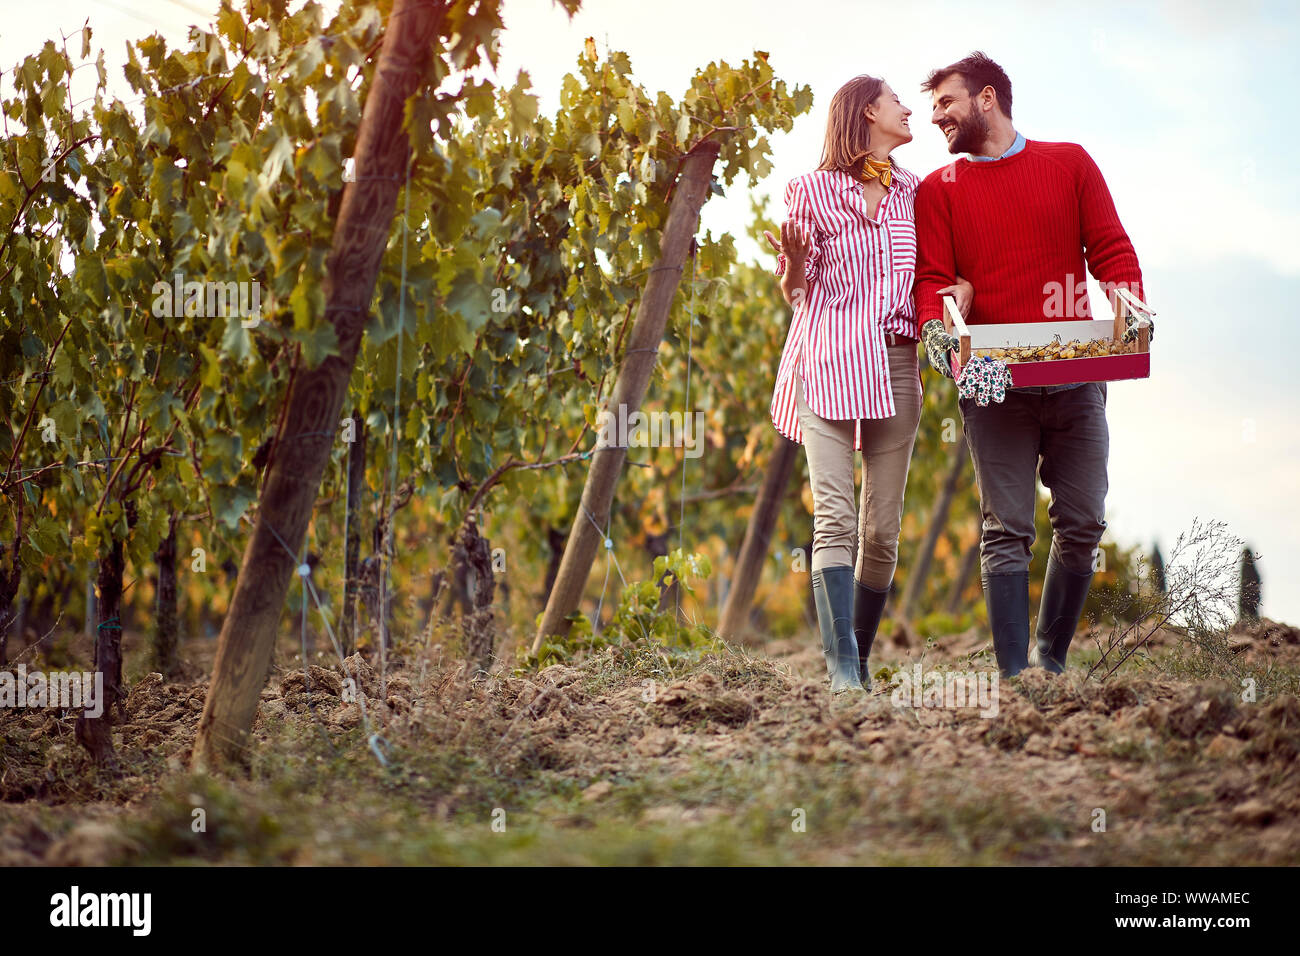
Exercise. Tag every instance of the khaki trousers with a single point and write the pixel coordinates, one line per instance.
(843, 533)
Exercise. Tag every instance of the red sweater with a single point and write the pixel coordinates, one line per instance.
(1019, 229)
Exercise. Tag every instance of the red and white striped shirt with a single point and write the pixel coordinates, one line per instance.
(860, 273)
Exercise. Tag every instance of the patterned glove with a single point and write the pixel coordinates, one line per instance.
(939, 346)
(1131, 333)
(985, 380)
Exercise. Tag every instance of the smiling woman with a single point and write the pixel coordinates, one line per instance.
(848, 377)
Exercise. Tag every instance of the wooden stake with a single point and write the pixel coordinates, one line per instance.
(629, 391)
(758, 536)
(920, 569)
(293, 478)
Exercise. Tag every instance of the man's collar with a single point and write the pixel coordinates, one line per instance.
(1016, 146)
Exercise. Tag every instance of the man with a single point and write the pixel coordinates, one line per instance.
(1018, 219)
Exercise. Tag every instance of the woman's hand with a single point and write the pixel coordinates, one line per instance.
(774, 242)
(795, 242)
(795, 245)
(963, 292)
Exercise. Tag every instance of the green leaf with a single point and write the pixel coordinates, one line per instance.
(523, 106)
(470, 299)
(450, 335)
(230, 502)
(211, 377)
(92, 279)
(63, 368)
(308, 304)
(318, 343)
(235, 341)
(222, 456)
(66, 423)
(281, 155)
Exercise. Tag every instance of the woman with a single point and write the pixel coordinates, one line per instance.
(848, 377)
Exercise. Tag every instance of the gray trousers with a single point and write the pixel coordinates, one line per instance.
(1060, 436)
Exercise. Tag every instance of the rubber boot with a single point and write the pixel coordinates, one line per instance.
(868, 606)
(1007, 599)
(825, 627)
(833, 594)
(1064, 594)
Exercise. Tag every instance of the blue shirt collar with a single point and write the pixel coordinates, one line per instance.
(1016, 147)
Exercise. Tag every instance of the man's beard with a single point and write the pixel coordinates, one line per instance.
(971, 134)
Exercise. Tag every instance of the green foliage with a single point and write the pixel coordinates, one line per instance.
(639, 620)
(508, 285)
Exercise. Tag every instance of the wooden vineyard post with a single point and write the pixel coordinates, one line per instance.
(920, 569)
(758, 536)
(10, 579)
(316, 400)
(96, 733)
(969, 559)
(352, 540)
(167, 619)
(692, 189)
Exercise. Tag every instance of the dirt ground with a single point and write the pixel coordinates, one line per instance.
(642, 755)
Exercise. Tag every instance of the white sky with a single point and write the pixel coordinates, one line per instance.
(1185, 107)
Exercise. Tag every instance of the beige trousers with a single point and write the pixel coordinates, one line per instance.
(843, 533)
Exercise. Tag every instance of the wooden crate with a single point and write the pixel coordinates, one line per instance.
(1105, 368)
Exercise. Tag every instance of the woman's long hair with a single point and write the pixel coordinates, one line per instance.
(848, 134)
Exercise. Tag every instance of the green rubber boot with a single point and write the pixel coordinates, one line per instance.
(833, 595)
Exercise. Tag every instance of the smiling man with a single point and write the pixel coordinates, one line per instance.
(1019, 219)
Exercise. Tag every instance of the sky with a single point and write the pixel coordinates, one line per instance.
(1184, 105)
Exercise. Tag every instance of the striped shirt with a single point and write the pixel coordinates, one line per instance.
(860, 272)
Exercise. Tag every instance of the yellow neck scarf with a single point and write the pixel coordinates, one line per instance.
(873, 169)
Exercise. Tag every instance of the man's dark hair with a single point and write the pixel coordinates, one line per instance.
(978, 71)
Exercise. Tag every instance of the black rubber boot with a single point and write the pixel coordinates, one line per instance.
(868, 606)
(1064, 594)
(833, 593)
(1007, 599)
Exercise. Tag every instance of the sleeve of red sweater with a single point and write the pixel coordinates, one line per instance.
(936, 261)
(1111, 257)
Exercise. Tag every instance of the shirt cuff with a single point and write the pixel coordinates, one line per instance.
(809, 265)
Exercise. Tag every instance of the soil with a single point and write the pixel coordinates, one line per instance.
(638, 754)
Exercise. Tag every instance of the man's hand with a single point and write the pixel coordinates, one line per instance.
(964, 294)
(939, 346)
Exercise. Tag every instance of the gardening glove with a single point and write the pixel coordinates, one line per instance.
(939, 345)
(1131, 332)
(984, 380)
